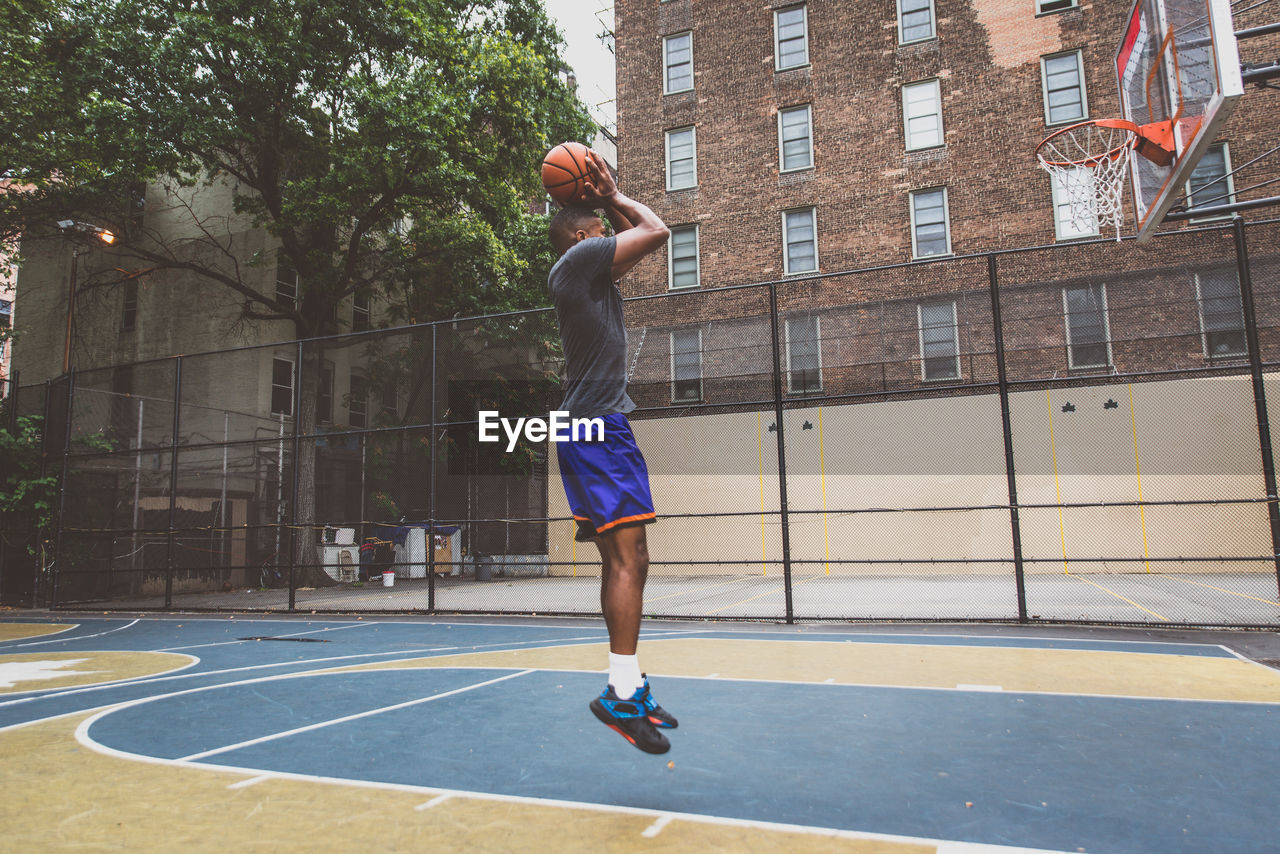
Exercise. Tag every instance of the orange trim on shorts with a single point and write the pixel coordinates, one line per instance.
(626, 519)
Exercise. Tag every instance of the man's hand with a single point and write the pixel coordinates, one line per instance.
(600, 187)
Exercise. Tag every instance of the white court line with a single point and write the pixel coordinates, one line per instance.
(83, 738)
(74, 638)
(963, 687)
(347, 718)
(656, 828)
(514, 645)
(436, 801)
(252, 781)
(241, 640)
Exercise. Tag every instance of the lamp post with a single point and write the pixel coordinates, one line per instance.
(102, 235)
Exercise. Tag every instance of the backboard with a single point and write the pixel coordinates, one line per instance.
(1178, 69)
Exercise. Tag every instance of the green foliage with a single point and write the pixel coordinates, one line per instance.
(390, 148)
(27, 500)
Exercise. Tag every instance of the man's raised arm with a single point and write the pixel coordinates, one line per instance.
(638, 229)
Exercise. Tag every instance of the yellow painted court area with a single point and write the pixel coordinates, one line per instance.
(34, 671)
(19, 631)
(62, 796)
(1061, 671)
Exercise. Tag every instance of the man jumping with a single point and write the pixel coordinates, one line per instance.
(607, 482)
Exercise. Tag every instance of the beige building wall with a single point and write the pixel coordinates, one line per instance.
(1181, 440)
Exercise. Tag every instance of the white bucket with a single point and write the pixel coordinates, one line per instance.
(389, 578)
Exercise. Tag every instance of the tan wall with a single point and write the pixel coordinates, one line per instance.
(1195, 439)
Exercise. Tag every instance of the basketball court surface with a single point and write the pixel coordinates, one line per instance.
(218, 733)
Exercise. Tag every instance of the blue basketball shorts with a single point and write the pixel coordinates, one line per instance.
(606, 482)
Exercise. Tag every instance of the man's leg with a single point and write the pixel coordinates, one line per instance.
(625, 556)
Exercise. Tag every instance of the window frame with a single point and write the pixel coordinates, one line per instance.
(955, 342)
(936, 83)
(783, 169)
(1243, 352)
(361, 307)
(817, 337)
(946, 221)
(293, 379)
(324, 393)
(1106, 329)
(777, 40)
(282, 264)
(933, 25)
(129, 306)
(1041, 10)
(1057, 193)
(1228, 181)
(693, 131)
(697, 258)
(674, 379)
(666, 63)
(786, 243)
(1080, 82)
(362, 410)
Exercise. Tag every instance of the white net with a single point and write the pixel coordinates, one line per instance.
(1088, 164)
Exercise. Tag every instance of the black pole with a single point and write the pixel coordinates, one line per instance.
(782, 452)
(173, 482)
(431, 489)
(1010, 470)
(38, 570)
(1259, 391)
(293, 498)
(62, 492)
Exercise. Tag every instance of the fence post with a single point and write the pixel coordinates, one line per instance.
(431, 489)
(1010, 470)
(782, 452)
(173, 483)
(1259, 391)
(293, 496)
(62, 492)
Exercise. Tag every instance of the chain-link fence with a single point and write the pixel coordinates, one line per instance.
(1067, 433)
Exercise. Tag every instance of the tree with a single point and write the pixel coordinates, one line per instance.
(389, 148)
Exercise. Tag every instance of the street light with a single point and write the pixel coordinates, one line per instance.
(70, 225)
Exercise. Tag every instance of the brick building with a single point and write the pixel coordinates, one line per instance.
(784, 140)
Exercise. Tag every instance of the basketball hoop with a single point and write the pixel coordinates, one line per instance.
(1088, 162)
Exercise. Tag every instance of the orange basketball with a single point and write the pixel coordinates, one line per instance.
(564, 172)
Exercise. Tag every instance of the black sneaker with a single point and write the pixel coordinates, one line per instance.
(630, 720)
(658, 716)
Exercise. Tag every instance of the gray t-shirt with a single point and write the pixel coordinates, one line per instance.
(592, 332)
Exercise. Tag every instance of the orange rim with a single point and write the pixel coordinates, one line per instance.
(1050, 154)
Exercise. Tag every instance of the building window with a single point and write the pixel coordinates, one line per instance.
(324, 395)
(677, 63)
(281, 387)
(915, 20)
(682, 257)
(682, 159)
(1221, 315)
(358, 401)
(1071, 222)
(795, 138)
(286, 282)
(804, 355)
(6, 321)
(930, 226)
(939, 342)
(129, 306)
(800, 241)
(360, 311)
(390, 400)
(1210, 182)
(790, 38)
(1088, 340)
(1064, 98)
(922, 114)
(1044, 7)
(686, 366)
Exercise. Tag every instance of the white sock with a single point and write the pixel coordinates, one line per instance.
(624, 674)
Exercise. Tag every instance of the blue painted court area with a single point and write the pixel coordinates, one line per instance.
(1057, 771)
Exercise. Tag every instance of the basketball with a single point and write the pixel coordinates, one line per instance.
(564, 172)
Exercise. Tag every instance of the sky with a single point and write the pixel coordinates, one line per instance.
(581, 22)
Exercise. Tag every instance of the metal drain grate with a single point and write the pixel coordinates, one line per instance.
(291, 640)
